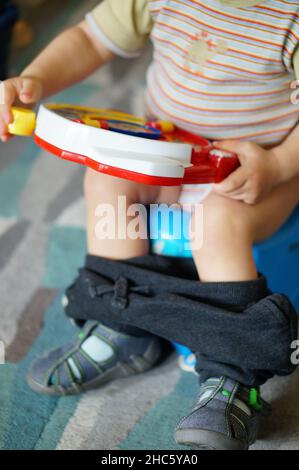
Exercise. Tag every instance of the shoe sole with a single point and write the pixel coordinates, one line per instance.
(201, 439)
(136, 365)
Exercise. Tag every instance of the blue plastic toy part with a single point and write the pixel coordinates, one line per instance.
(187, 360)
(277, 258)
(136, 130)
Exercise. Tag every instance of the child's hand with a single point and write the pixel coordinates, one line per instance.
(258, 174)
(20, 91)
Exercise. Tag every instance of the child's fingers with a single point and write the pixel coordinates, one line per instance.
(232, 183)
(5, 112)
(3, 129)
(5, 119)
(237, 193)
(3, 126)
(236, 146)
(6, 137)
(9, 93)
(30, 91)
(238, 196)
(8, 96)
(244, 150)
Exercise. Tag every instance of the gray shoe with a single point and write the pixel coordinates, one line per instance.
(69, 370)
(225, 417)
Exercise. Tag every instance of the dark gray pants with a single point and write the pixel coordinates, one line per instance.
(237, 329)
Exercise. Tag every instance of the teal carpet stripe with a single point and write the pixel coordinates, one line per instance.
(155, 430)
(7, 375)
(54, 429)
(29, 419)
(66, 253)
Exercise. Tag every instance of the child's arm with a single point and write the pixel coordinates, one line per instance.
(261, 170)
(71, 57)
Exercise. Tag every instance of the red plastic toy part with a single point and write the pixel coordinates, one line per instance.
(108, 169)
(212, 167)
(125, 146)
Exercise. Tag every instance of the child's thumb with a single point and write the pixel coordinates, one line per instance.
(235, 146)
(30, 91)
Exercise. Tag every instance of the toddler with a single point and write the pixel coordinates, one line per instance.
(222, 69)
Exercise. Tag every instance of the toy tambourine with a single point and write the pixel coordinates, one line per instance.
(125, 146)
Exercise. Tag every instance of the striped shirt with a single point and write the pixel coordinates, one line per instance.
(218, 70)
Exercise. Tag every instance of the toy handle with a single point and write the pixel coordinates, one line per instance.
(24, 122)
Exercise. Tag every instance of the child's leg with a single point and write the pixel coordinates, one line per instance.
(103, 189)
(228, 409)
(225, 261)
(102, 353)
(231, 228)
(120, 295)
(241, 333)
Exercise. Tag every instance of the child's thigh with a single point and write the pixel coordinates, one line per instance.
(256, 222)
(100, 187)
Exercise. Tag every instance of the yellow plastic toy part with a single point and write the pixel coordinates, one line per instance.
(166, 126)
(97, 113)
(91, 122)
(24, 122)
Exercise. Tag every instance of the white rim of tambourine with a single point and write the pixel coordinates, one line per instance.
(145, 156)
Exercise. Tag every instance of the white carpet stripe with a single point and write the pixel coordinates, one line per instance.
(104, 417)
(23, 273)
(74, 215)
(49, 176)
(6, 224)
(20, 278)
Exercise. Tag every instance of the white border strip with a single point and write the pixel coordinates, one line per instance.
(107, 42)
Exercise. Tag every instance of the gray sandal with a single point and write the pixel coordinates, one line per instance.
(226, 417)
(69, 370)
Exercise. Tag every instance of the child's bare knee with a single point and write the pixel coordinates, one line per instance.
(224, 217)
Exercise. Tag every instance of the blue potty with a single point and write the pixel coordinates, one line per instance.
(277, 257)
